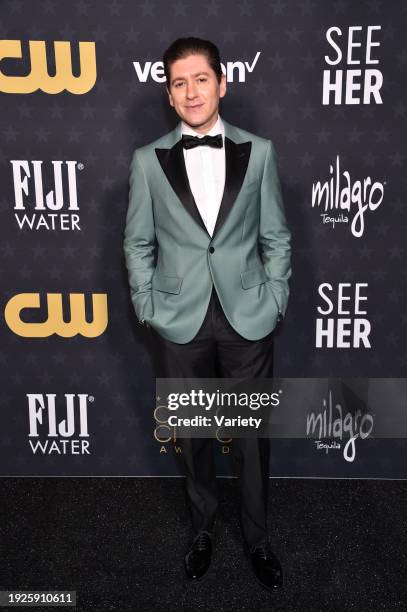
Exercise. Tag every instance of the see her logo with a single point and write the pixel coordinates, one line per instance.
(348, 85)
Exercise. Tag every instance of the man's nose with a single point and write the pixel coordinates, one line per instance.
(191, 90)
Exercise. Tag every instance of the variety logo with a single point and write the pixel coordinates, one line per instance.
(39, 77)
(236, 70)
(339, 193)
(352, 85)
(325, 425)
(55, 210)
(61, 430)
(54, 323)
(348, 329)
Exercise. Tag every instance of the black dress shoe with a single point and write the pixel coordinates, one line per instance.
(198, 558)
(266, 567)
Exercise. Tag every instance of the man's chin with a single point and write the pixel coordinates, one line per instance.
(195, 121)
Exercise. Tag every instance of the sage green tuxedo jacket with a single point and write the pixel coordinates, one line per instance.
(173, 262)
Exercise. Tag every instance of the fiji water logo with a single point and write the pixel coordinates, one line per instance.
(59, 426)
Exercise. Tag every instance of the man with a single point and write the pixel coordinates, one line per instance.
(208, 255)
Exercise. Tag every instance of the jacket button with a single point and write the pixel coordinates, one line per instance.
(211, 250)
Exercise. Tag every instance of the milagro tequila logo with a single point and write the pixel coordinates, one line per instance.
(342, 198)
(59, 428)
(340, 427)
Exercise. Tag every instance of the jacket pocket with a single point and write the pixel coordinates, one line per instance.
(168, 284)
(253, 277)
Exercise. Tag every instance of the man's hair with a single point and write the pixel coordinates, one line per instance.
(182, 47)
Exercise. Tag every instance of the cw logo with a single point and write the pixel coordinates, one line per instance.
(55, 323)
(38, 78)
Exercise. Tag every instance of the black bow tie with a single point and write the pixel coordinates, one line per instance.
(189, 142)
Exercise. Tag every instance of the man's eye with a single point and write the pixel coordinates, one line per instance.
(202, 79)
(178, 84)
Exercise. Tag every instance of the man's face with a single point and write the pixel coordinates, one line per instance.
(194, 91)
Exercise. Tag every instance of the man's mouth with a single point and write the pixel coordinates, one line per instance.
(195, 106)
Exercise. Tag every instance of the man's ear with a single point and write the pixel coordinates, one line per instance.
(169, 96)
(222, 86)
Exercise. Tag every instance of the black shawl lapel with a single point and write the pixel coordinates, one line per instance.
(236, 160)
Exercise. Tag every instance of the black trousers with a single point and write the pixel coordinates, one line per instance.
(218, 351)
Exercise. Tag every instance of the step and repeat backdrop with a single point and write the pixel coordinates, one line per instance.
(81, 86)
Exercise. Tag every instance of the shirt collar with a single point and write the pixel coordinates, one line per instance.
(218, 128)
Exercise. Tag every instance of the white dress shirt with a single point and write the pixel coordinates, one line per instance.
(206, 174)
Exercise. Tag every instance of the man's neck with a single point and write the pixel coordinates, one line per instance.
(202, 130)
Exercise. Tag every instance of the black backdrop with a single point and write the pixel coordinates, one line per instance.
(275, 56)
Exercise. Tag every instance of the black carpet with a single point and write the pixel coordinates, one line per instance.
(120, 544)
